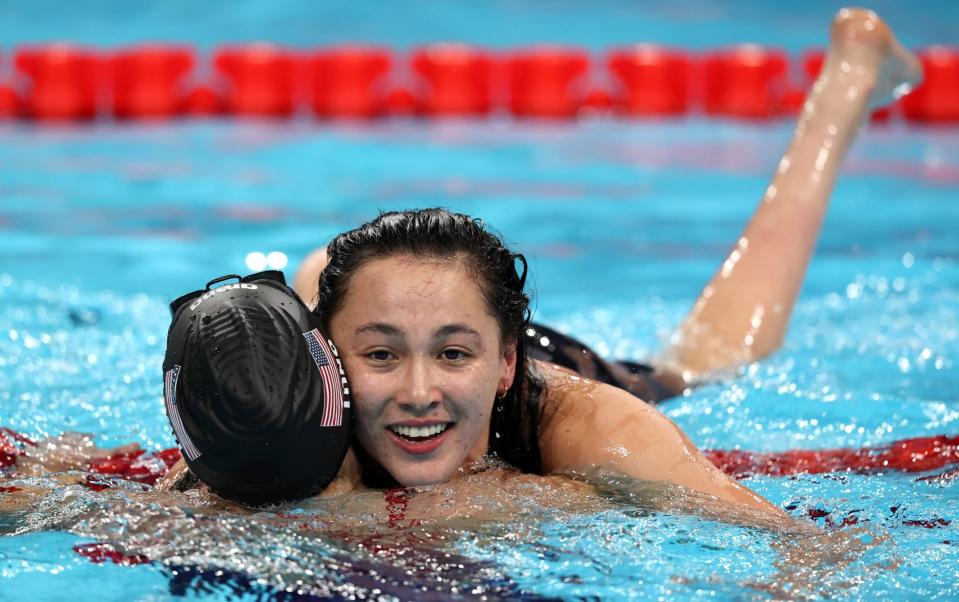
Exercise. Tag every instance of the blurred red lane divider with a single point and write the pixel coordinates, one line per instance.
(148, 81)
(937, 98)
(349, 82)
(651, 80)
(547, 82)
(257, 80)
(746, 81)
(455, 80)
(137, 466)
(101, 552)
(920, 454)
(65, 82)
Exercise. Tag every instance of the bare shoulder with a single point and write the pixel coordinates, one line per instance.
(588, 425)
(579, 413)
(567, 395)
(307, 276)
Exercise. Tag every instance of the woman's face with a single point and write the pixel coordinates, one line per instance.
(425, 362)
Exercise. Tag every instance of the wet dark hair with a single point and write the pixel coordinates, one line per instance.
(443, 235)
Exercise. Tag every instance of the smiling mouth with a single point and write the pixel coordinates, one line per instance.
(420, 433)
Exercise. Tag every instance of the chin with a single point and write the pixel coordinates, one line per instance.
(422, 475)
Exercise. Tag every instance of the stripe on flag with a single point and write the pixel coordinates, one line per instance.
(169, 398)
(332, 387)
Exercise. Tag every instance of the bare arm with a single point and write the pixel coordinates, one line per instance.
(588, 426)
(742, 313)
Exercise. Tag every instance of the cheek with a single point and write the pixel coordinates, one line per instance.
(481, 389)
(365, 391)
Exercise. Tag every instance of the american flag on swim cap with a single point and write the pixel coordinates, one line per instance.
(329, 373)
(169, 398)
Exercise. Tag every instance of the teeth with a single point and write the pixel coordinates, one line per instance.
(419, 432)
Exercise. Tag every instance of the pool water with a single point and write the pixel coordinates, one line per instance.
(622, 223)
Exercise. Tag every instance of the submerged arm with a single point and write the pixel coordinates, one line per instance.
(742, 313)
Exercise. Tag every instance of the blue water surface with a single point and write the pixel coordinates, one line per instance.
(623, 222)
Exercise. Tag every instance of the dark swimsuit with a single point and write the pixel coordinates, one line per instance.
(647, 383)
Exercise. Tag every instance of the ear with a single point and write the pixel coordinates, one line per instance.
(509, 369)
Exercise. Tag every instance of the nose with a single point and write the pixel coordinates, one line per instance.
(422, 392)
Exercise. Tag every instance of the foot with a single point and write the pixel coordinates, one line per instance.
(864, 53)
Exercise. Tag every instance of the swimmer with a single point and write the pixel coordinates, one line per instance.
(255, 393)
(429, 313)
(247, 404)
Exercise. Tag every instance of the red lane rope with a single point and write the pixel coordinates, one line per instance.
(920, 454)
(100, 552)
(65, 82)
(397, 501)
(12, 445)
(137, 466)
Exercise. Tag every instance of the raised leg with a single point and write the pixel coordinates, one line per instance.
(742, 313)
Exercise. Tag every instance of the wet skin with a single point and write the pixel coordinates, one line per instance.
(422, 352)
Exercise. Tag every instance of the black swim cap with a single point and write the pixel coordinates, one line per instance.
(255, 392)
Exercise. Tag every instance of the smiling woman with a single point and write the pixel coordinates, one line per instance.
(432, 319)
(430, 316)
(428, 359)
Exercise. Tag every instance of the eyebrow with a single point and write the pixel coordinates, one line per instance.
(442, 332)
(451, 329)
(381, 328)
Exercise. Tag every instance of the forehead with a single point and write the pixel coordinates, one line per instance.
(405, 285)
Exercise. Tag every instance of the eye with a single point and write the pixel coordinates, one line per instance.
(380, 355)
(454, 355)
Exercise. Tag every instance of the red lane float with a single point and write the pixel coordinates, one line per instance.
(400, 102)
(598, 100)
(652, 80)
(546, 82)
(349, 82)
(747, 81)
(10, 104)
(63, 82)
(148, 81)
(937, 97)
(202, 101)
(458, 80)
(918, 454)
(906, 455)
(260, 80)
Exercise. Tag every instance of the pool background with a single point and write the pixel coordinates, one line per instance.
(105, 225)
(622, 221)
(695, 24)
